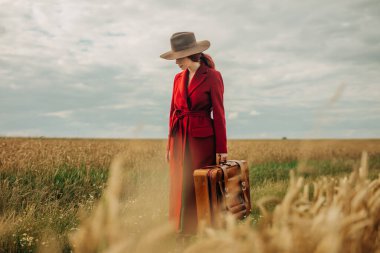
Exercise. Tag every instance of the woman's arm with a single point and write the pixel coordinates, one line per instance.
(167, 156)
(217, 90)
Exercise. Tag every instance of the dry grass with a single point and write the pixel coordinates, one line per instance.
(52, 188)
(337, 216)
(328, 215)
(40, 153)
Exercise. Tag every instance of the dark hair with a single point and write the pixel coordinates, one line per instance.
(201, 57)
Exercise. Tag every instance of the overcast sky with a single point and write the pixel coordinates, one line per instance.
(300, 69)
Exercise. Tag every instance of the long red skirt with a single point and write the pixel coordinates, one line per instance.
(194, 158)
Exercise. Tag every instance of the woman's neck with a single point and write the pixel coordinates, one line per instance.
(193, 67)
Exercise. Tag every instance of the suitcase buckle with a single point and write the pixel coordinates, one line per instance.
(243, 186)
(226, 192)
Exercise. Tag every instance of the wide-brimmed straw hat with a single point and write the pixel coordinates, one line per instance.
(184, 44)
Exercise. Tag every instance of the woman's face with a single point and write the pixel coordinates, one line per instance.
(183, 63)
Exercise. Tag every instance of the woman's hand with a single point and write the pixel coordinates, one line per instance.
(167, 156)
(221, 157)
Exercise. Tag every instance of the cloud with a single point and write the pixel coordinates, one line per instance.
(254, 113)
(24, 133)
(59, 114)
(233, 115)
(2, 30)
(131, 103)
(83, 87)
(93, 62)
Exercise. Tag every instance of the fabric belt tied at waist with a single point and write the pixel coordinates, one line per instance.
(180, 114)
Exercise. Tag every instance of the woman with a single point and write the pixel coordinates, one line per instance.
(195, 138)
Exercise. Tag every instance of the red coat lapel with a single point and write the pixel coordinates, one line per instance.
(182, 86)
(199, 77)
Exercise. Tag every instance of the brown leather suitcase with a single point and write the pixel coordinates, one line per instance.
(220, 189)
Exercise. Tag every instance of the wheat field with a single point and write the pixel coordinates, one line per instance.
(103, 195)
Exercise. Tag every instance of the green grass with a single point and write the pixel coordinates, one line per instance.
(45, 200)
(50, 198)
(272, 178)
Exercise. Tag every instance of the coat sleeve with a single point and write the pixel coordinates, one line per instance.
(217, 90)
(171, 113)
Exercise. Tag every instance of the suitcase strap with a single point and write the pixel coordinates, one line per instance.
(224, 203)
(245, 184)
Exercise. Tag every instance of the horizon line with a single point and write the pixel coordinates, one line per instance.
(143, 138)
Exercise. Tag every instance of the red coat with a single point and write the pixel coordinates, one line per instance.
(194, 139)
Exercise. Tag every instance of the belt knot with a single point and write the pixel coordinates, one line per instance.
(180, 114)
